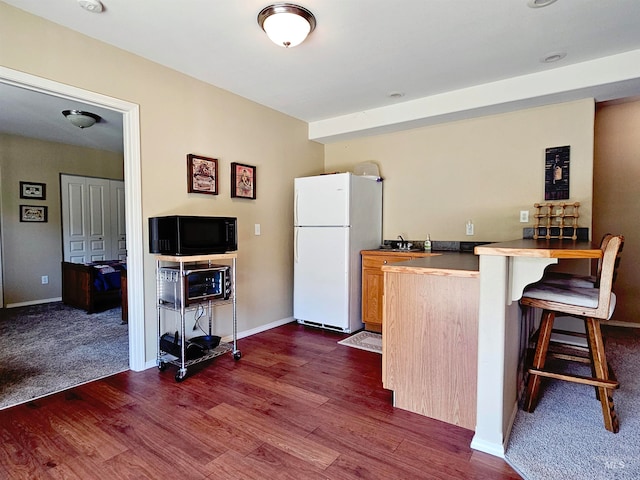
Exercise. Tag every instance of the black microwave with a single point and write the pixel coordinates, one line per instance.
(192, 235)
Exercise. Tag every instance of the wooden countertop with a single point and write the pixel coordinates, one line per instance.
(541, 248)
(439, 263)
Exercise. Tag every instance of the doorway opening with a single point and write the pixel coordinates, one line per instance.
(132, 173)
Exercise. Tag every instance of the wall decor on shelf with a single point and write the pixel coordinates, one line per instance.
(556, 173)
(202, 174)
(243, 181)
(33, 190)
(33, 213)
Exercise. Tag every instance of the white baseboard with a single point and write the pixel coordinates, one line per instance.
(487, 447)
(244, 334)
(261, 328)
(33, 302)
(492, 448)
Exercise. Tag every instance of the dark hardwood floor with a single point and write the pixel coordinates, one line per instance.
(296, 406)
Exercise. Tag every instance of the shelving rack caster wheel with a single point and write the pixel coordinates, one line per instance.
(237, 355)
(180, 376)
(162, 366)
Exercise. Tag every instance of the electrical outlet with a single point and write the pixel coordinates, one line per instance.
(45, 279)
(524, 216)
(469, 228)
(257, 229)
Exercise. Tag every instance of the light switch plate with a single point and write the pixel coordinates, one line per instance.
(257, 229)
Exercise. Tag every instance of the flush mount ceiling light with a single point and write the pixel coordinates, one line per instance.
(93, 6)
(286, 24)
(81, 119)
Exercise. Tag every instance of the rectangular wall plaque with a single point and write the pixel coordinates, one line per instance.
(556, 173)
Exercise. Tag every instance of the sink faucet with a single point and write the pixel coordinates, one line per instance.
(403, 243)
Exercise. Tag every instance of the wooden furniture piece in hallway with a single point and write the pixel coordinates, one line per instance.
(298, 406)
(591, 304)
(85, 287)
(125, 295)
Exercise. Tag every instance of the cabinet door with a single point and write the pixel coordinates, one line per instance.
(373, 288)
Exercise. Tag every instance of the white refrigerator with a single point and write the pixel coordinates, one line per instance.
(335, 216)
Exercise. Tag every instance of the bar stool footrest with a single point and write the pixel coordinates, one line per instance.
(596, 382)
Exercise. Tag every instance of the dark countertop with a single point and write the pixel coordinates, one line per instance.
(442, 263)
(399, 253)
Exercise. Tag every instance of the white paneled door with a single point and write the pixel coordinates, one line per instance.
(118, 224)
(92, 219)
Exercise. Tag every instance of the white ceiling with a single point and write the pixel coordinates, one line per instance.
(37, 115)
(449, 58)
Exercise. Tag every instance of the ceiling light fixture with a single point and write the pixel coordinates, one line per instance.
(93, 6)
(80, 118)
(286, 24)
(539, 3)
(553, 57)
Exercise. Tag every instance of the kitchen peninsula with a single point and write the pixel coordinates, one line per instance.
(505, 269)
(429, 336)
(451, 332)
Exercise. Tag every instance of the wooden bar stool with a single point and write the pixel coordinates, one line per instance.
(559, 278)
(591, 303)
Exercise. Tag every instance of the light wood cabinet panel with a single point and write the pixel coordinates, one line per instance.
(373, 283)
(430, 344)
(373, 287)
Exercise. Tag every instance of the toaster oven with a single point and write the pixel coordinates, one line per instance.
(198, 283)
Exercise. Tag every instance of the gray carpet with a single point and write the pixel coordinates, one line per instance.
(565, 437)
(52, 347)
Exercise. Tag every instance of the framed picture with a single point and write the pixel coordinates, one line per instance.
(202, 174)
(556, 173)
(243, 181)
(36, 191)
(33, 213)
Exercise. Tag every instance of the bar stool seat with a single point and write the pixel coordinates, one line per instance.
(591, 303)
(569, 294)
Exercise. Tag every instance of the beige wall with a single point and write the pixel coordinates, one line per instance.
(178, 116)
(31, 250)
(485, 170)
(616, 199)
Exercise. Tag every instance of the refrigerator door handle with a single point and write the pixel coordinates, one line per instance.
(295, 208)
(295, 245)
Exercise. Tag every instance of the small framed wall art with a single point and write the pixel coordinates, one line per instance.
(202, 174)
(33, 213)
(556, 173)
(243, 181)
(33, 190)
